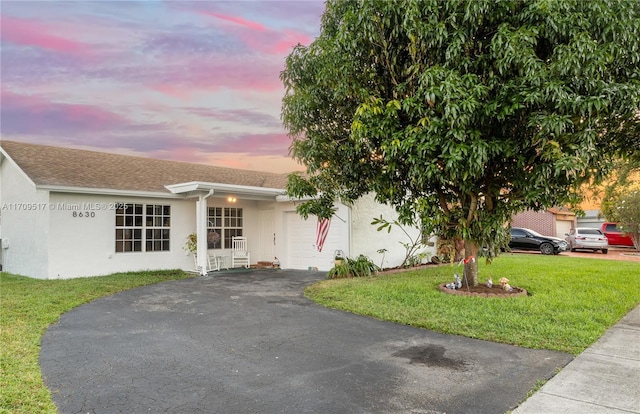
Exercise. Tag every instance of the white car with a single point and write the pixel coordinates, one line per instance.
(587, 238)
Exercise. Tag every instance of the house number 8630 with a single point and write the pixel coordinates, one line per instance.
(86, 214)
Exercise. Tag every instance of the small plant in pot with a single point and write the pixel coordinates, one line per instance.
(361, 266)
(338, 258)
(191, 245)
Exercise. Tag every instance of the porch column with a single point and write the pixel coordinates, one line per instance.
(201, 232)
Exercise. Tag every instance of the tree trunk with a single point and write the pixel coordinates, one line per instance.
(470, 266)
(459, 243)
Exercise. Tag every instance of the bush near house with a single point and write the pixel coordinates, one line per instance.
(358, 267)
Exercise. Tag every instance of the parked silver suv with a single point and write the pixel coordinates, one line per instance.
(587, 238)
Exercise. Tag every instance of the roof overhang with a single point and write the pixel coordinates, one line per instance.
(561, 211)
(196, 188)
(105, 191)
(181, 190)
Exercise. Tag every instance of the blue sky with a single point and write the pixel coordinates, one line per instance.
(194, 81)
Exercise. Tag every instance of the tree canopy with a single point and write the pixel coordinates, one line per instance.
(463, 112)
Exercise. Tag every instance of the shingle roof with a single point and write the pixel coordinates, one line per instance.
(56, 166)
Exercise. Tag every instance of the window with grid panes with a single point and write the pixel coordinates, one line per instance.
(129, 225)
(214, 228)
(223, 225)
(232, 225)
(142, 227)
(158, 221)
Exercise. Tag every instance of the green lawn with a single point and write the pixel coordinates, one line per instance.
(27, 308)
(571, 301)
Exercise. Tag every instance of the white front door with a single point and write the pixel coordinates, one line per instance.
(266, 248)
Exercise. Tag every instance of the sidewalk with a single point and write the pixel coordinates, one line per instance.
(604, 379)
(628, 254)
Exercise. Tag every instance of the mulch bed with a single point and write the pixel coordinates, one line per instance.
(484, 291)
(480, 290)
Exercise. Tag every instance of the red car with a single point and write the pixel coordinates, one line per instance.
(615, 236)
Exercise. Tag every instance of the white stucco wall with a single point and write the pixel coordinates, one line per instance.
(69, 236)
(82, 239)
(366, 240)
(25, 213)
(85, 246)
(1, 252)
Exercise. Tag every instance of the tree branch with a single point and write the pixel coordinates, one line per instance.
(443, 203)
(385, 47)
(488, 201)
(472, 207)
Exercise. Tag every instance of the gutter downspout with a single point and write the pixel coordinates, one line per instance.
(201, 232)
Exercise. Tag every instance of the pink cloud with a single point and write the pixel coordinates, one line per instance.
(182, 79)
(241, 160)
(25, 114)
(29, 32)
(181, 93)
(289, 40)
(276, 164)
(237, 20)
(268, 144)
(264, 144)
(261, 38)
(224, 156)
(246, 116)
(279, 43)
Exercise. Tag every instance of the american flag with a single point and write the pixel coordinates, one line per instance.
(322, 229)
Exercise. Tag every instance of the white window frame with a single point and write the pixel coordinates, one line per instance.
(135, 229)
(224, 223)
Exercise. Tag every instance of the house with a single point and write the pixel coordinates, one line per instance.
(68, 213)
(554, 221)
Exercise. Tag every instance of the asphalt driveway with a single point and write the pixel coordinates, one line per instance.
(251, 343)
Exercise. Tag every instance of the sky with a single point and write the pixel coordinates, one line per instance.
(194, 81)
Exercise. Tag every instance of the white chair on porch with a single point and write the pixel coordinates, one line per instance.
(240, 256)
(213, 263)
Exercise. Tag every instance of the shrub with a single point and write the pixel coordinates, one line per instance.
(358, 267)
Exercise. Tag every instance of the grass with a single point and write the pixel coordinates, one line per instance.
(27, 307)
(571, 302)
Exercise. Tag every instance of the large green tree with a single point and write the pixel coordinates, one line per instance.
(462, 112)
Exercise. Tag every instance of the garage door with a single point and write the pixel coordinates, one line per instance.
(563, 227)
(301, 242)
